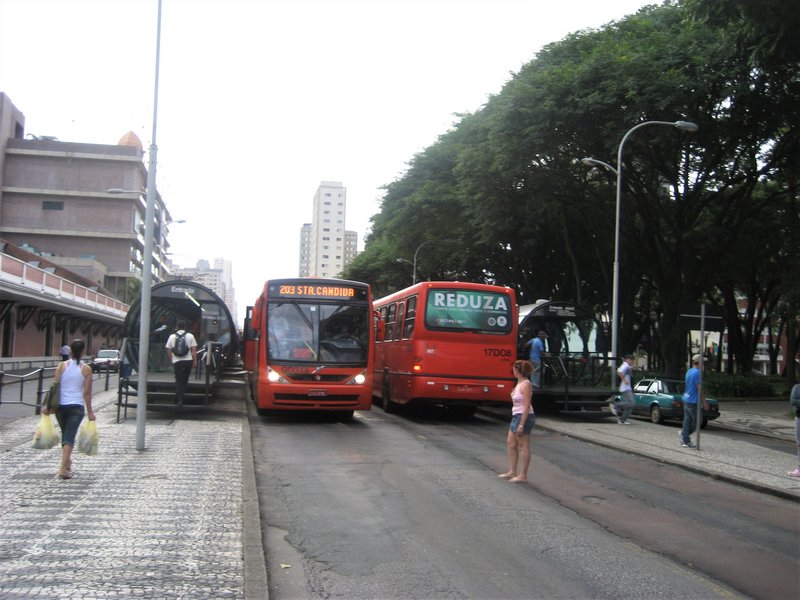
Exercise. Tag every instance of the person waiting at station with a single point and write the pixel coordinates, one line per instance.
(535, 357)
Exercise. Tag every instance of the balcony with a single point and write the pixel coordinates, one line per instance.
(15, 272)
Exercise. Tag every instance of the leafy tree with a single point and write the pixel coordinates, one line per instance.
(507, 184)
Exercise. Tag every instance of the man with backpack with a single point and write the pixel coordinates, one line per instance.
(182, 351)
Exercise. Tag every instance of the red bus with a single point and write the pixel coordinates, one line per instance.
(446, 343)
(309, 345)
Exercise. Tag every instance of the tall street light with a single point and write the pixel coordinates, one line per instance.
(404, 260)
(414, 264)
(147, 266)
(683, 125)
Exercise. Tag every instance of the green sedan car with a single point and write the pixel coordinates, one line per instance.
(660, 400)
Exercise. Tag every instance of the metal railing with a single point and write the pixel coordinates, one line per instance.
(19, 273)
(31, 386)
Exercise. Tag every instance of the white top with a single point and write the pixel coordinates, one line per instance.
(625, 371)
(190, 341)
(72, 384)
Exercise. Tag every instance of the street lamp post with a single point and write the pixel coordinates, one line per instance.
(683, 125)
(147, 262)
(414, 265)
(404, 260)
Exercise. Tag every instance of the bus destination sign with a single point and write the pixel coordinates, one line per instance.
(316, 291)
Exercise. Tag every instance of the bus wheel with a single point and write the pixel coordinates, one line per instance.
(386, 402)
(262, 412)
(344, 415)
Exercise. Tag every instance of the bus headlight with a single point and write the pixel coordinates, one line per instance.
(359, 379)
(274, 376)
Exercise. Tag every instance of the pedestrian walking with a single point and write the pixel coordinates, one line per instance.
(182, 351)
(692, 395)
(794, 400)
(625, 407)
(64, 352)
(75, 378)
(518, 438)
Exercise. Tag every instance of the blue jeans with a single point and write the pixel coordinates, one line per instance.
(69, 417)
(689, 421)
(625, 407)
(536, 376)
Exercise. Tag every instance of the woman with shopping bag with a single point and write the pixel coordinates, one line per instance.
(76, 393)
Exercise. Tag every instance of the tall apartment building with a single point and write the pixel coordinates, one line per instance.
(54, 202)
(325, 247)
(219, 279)
(305, 250)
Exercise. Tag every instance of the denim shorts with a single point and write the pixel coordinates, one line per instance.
(515, 419)
(69, 418)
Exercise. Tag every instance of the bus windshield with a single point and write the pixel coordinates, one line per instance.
(467, 310)
(311, 332)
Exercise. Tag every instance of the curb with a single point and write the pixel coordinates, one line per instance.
(765, 489)
(692, 469)
(255, 566)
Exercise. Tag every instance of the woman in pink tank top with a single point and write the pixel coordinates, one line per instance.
(522, 420)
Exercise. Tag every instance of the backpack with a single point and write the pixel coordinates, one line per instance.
(181, 348)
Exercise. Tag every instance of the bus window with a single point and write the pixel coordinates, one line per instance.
(344, 336)
(411, 315)
(291, 331)
(390, 318)
(384, 312)
(398, 330)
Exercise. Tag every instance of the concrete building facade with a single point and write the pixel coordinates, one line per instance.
(305, 250)
(54, 202)
(72, 250)
(325, 246)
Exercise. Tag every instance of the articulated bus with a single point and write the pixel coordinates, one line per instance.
(309, 345)
(447, 343)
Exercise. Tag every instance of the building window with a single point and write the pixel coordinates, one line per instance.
(52, 205)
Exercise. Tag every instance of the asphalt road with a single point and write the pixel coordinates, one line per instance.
(409, 506)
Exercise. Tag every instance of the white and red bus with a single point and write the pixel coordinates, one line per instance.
(448, 343)
(309, 345)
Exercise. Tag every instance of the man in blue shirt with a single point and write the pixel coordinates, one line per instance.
(691, 396)
(535, 356)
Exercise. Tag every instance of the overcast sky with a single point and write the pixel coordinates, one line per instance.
(260, 100)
